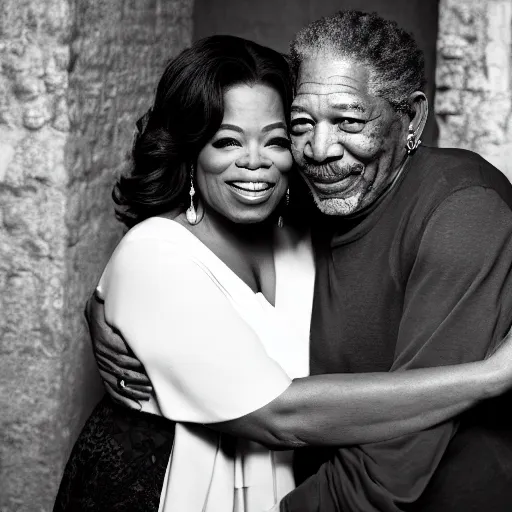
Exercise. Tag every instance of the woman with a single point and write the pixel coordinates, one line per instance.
(215, 301)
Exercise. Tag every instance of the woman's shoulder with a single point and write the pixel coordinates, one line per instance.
(158, 229)
(158, 235)
(155, 247)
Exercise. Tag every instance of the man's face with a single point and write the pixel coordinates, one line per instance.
(347, 142)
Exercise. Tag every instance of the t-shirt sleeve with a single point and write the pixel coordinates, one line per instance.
(205, 362)
(458, 304)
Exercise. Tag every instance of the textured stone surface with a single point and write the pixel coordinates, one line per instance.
(74, 77)
(474, 78)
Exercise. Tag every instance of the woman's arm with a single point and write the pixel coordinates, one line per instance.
(208, 366)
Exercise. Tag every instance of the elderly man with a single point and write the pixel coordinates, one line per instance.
(413, 255)
(413, 250)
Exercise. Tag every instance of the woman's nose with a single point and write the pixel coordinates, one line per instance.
(253, 160)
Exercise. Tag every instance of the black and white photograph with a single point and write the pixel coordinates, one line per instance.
(256, 255)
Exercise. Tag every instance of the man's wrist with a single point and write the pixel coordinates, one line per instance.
(496, 377)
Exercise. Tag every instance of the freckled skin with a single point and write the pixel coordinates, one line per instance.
(340, 127)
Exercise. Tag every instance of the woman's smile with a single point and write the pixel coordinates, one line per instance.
(251, 192)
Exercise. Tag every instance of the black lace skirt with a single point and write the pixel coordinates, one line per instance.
(118, 462)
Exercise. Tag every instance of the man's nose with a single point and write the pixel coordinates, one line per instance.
(323, 145)
(253, 159)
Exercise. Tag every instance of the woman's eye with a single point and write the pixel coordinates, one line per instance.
(281, 142)
(351, 125)
(226, 142)
(301, 125)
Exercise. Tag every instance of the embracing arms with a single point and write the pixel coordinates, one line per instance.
(239, 390)
(350, 409)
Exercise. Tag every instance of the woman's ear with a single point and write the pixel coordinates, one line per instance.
(419, 112)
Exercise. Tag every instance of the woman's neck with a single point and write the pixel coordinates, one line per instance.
(214, 226)
(247, 249)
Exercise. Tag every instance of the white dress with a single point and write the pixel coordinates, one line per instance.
(214, 351)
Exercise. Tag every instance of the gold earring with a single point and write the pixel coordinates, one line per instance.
(191, 212)
(412, 143)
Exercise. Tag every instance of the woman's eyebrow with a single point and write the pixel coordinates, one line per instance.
(233, 127)
(273, 126)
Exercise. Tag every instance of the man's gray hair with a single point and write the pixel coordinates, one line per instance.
(396, 62)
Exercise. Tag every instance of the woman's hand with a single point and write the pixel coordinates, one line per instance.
(123, 374)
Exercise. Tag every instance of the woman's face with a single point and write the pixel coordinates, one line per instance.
(242, 170)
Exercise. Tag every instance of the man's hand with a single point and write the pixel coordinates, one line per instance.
(123, 374)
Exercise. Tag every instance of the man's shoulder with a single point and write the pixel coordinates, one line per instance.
(441, 172)
(438, 177)
(455, 167)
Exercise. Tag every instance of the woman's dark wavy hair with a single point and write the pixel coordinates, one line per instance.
(391, 52)
(187, 111)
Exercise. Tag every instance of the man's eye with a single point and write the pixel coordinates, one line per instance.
(351, 125)
(301, 125)
(226, 142)
(281, 142)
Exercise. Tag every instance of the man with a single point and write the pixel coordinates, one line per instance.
(413, 258)
(413, 251)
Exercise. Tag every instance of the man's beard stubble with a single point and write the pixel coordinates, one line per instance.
(331, 172)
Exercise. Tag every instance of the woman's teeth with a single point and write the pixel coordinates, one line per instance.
(252, 192)
(251, 186)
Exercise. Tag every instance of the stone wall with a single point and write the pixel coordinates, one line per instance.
(74, 77)
(474, 78)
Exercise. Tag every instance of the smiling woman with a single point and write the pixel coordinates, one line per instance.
(210, 90)
(242, 171)
(210, 168)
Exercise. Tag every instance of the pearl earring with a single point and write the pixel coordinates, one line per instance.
(191, 212)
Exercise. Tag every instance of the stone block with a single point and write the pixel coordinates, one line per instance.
(450, 74)
(474, 96)
(452, 46)
(448, 102)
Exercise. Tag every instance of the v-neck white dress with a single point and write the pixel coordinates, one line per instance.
(214, 351)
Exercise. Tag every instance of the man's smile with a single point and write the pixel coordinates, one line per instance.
(332, 173)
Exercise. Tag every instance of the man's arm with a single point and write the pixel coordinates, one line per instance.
(151, 295)
(457, 306)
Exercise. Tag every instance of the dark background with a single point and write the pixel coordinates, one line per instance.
(274, 22)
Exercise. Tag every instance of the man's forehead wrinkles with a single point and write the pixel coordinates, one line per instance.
(310, 93)
(333, 79)
(345, 100)
(329, 86)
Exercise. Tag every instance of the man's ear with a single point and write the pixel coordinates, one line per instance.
(419, 112)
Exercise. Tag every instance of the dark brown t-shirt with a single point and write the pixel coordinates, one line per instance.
(421, 279)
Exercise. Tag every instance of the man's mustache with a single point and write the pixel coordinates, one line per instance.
(332, 170)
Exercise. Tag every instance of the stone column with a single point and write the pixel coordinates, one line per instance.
(474, 78)
(74, 77)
